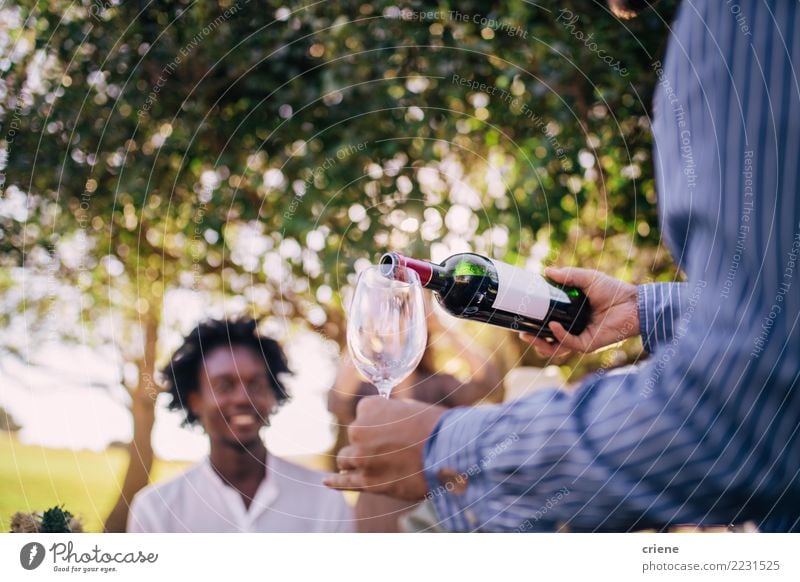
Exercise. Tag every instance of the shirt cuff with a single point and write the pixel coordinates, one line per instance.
(453, 469)
(659, 307)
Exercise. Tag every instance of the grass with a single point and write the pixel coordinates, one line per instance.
(34, 478)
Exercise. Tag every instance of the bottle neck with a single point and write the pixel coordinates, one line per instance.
(431, 275)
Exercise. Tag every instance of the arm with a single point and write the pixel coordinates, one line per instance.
(660, 445)
(706, 431)
(485, 377)
(343, 397)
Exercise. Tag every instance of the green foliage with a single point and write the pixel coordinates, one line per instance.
(231, 146)
(56, 520)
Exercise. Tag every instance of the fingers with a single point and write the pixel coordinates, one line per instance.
(544, 348)
(573, 276)
(565, 343)
(349, 459)
(345, 481)
(575, 343)
(350, 476)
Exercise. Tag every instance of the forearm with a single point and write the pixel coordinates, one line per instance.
(626, 451)
(706, 431)
(344, 395)
(484, 375)
(342, 405)
(482, 368)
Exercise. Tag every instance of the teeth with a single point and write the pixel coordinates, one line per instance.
(243, 419)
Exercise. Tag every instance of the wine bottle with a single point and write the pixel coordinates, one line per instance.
(477, 288)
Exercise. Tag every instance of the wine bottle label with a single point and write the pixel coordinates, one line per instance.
(522, 292)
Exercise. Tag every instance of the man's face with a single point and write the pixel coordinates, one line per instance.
(235, 396)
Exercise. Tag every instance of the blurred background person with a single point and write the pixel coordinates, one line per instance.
(228, 379)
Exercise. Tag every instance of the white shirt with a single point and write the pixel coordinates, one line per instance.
(290, 499)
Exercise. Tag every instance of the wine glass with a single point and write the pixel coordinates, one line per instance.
(386, 328)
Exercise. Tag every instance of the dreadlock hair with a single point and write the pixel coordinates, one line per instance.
(181, 376)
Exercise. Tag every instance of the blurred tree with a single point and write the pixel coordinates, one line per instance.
(7, 422)
(259, 151)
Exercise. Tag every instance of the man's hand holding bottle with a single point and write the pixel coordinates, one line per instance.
(614, 315)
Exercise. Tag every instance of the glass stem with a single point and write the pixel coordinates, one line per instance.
(384, 388)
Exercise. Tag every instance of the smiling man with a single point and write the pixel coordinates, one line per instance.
(228, 379)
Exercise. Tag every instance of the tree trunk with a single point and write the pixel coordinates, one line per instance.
(140, 450)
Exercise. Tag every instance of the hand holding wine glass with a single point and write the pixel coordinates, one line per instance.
(386, 329)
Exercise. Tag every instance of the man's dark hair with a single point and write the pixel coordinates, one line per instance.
(182, 374)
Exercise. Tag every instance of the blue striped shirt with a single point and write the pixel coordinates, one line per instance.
(707, 429)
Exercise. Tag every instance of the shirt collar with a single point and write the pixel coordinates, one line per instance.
(265, 496)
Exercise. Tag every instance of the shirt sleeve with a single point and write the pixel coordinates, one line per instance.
(635, 450)
(659, 311)
(706, 430)
(344, 520)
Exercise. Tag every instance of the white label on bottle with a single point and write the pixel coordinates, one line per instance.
(521, 292)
